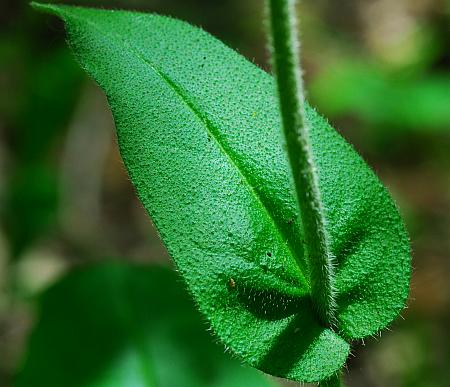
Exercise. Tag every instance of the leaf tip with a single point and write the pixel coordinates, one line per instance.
(47, 8)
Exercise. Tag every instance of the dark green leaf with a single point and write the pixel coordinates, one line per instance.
(31, 206)
(51, 88)
(122, 325)
(199, 131)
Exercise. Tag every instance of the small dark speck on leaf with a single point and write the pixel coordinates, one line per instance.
(269, 254)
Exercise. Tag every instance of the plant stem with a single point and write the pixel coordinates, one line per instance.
(285, 62)
(333, 381)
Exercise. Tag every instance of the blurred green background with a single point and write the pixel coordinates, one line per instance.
(379, 70)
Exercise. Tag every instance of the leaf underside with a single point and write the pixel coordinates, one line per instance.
(115, 324)
(199, 132)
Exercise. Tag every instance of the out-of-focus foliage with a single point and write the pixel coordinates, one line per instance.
(43, 88)
(387, 101)
(31, 202)
(116, 324)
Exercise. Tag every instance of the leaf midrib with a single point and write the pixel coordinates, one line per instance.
(210, 129)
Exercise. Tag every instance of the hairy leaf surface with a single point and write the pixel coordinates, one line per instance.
(116, 324)
(199, 131)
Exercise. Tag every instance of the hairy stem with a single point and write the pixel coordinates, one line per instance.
(286, 66)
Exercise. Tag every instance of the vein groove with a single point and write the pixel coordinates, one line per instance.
(210, 129)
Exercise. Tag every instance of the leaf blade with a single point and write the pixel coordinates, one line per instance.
(211, 222)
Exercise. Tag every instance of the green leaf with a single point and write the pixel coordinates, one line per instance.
(392, 102)
(52, 84)
(200, 134)
(116, 324)
(31, 204)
